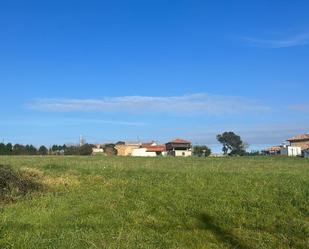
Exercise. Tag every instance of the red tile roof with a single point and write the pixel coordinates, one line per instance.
(156, 148)
(180, 141)
(144, 145)
(274, 148)
(299, 137)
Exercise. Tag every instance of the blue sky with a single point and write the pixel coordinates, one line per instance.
(128, 70)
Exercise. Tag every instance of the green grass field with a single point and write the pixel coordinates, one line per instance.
(115, 202)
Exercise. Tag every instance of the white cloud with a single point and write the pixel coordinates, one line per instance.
(298, 40)
(66, 122)
(186, 104)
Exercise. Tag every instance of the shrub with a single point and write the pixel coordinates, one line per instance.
(15, 183)
(201, 151)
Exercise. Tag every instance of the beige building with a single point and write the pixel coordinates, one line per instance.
(126, 149)
(301, 141)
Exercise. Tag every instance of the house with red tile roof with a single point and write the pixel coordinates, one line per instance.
(301, 141)
(274, 150)
(179, 147)
(151, 149)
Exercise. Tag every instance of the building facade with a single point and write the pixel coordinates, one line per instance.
(126, 149)
(301, 141)
(142, 152)
(291, 151)
(150, 150)
(275, 150)
(97, 150)
(179, 147)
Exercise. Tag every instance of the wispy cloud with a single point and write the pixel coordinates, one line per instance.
(292, 41)
(186, 104)
(304, 107)
(67, 122)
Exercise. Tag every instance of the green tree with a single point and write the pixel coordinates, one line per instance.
(72, 150)
(86, 149)
(201, 151)
(19, 149)
(2, 149)
(9, 149)
(31, 150)
(43, 150)
(232, 143)
(55, 148)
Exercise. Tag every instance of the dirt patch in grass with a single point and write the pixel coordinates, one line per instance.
(15, 183)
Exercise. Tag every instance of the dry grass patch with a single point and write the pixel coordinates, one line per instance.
(64, 180)
(17, 183)
(52, 181)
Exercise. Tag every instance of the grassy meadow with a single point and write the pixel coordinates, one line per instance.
(117, 202)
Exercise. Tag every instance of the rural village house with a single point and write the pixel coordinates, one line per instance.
(299, 145)
(288, 150)
(179, 147)
(126, 149)
(301, 141)
(151, 149)
(275, 150)
(97, 150)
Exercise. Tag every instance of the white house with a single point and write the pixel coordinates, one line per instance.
(97, 150)
(291, 151)
(143, 152)
(150, 150)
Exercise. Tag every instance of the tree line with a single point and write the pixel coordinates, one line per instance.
(29, 149)
(232, 144)
(19, 149)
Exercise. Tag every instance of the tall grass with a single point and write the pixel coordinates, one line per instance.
(115, 202)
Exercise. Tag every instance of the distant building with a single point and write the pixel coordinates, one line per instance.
(301, 141)
(160, 150)
(291, 151)
(97, 150)
(126, 149)
(151, 149)
(179, 147)
(143, 152)
(145, 145)
(275, 150)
